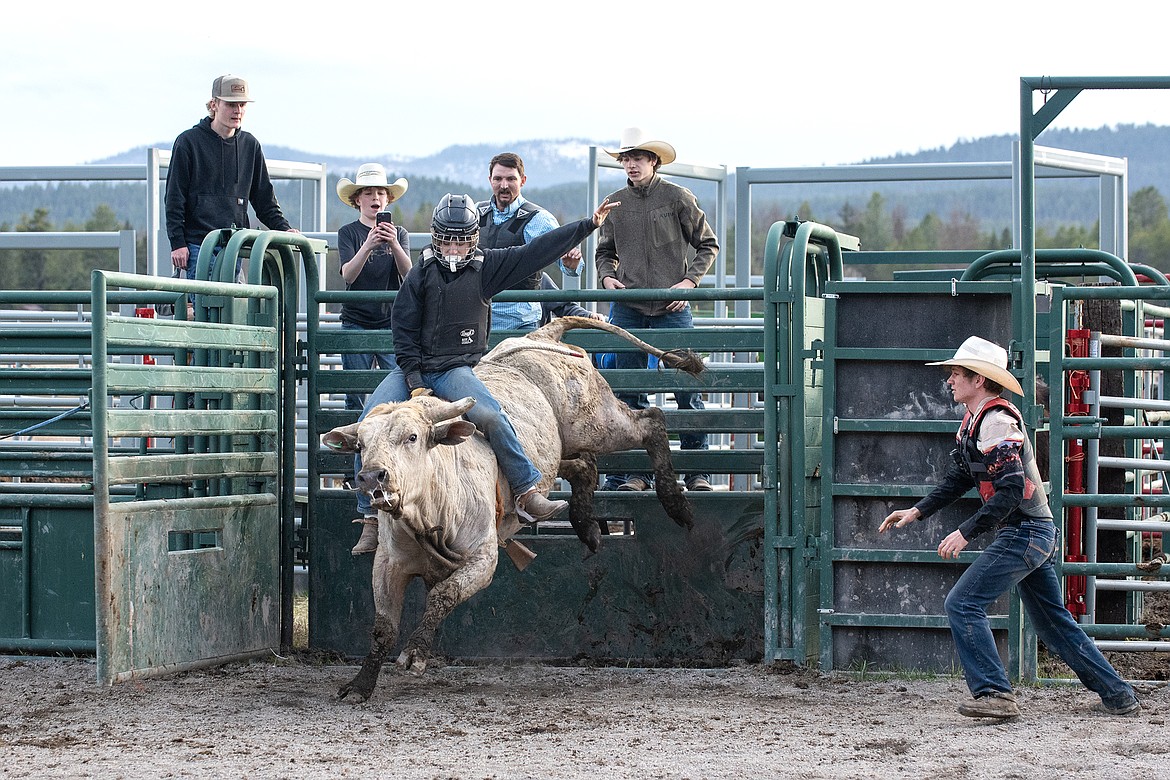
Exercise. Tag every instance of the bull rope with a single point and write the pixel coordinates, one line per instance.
(508, 346)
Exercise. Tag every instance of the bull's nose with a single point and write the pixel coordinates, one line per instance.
(369, 480)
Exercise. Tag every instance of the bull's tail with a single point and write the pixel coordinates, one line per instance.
(682, 359)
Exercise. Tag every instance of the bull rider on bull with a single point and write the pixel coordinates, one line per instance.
(442, 315)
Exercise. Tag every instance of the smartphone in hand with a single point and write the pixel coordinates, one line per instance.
(384, 217)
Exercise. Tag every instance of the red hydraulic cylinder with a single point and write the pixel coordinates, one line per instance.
(1076, 345)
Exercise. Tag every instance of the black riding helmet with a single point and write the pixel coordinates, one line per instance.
(455, 219)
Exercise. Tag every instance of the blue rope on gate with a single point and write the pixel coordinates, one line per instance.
(82, 407)
(50, 421)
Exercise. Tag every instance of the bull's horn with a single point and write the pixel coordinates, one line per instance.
(450, 410)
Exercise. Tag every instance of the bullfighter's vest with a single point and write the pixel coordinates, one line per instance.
(508, 233)
(970, 457)
(455, 319)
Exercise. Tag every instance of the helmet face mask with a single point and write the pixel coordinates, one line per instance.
(455, 230)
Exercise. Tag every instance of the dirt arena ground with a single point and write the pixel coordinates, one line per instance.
(281, 719)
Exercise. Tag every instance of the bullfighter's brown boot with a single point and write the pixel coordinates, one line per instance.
(532, 506)
(997, 704)
(369, 539)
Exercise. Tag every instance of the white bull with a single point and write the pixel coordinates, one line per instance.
(444, 508)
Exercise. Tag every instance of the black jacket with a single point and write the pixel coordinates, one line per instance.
(211, 181)
(500, 269)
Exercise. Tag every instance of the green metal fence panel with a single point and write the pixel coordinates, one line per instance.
(1135, 508)
(46, 502)
(189, 571)
(888, 425)
(46, 576)
(799, 259)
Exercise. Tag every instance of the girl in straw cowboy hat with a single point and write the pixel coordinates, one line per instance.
(994, 454)
(375, 255)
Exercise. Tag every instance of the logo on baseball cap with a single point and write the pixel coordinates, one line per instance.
(232, 89)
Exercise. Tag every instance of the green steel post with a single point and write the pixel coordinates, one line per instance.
(101, 454)
(775, 514)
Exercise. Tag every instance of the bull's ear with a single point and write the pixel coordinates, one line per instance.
(453, 432)
(342, 439)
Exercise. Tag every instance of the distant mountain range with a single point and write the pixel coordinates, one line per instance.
(550, 163)
(558, 173)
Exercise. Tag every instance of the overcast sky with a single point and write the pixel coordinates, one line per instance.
(810, 83)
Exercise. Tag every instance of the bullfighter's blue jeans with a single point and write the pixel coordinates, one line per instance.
(1022, 555)
(629, 318)
(488, 417)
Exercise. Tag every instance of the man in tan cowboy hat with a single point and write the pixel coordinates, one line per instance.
(994, 454)
(659, 238)
(375, 255)
(216, 170)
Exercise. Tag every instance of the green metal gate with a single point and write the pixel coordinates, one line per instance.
(188, 571)
(888, 426)
(152, 523)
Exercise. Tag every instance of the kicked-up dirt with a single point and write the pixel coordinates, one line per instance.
(281, 719)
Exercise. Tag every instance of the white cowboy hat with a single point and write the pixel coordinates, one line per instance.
(635, 138)
(370, 175)
(986, 359)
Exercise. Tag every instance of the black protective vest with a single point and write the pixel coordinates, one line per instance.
(1035, 503)
(508, 233)
(455, 319)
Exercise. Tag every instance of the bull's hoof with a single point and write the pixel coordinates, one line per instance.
(356, 688)
(591, 538)
(587, 531)
(412, 662)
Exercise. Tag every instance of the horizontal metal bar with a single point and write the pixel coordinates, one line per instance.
(194, 506)
(1111, 293)
(59, 240)
(160, 334)
(183, 468)
(865, 619)
(168, 423)
(621, 296)
(20, 500)
(1131, 342)
(877, 490)
(1123, 631)
(189, 379)
(886, 425)
(1099, 569)
(1114, 499)
(852, 554)
(1130, 432)
(1133, 525)
(1117, 402)
(1133, 647)
(85, 646)
(1116, 363)
(1144, 464)
(1149, 586)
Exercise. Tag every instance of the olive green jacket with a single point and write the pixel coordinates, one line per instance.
(646, 242)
